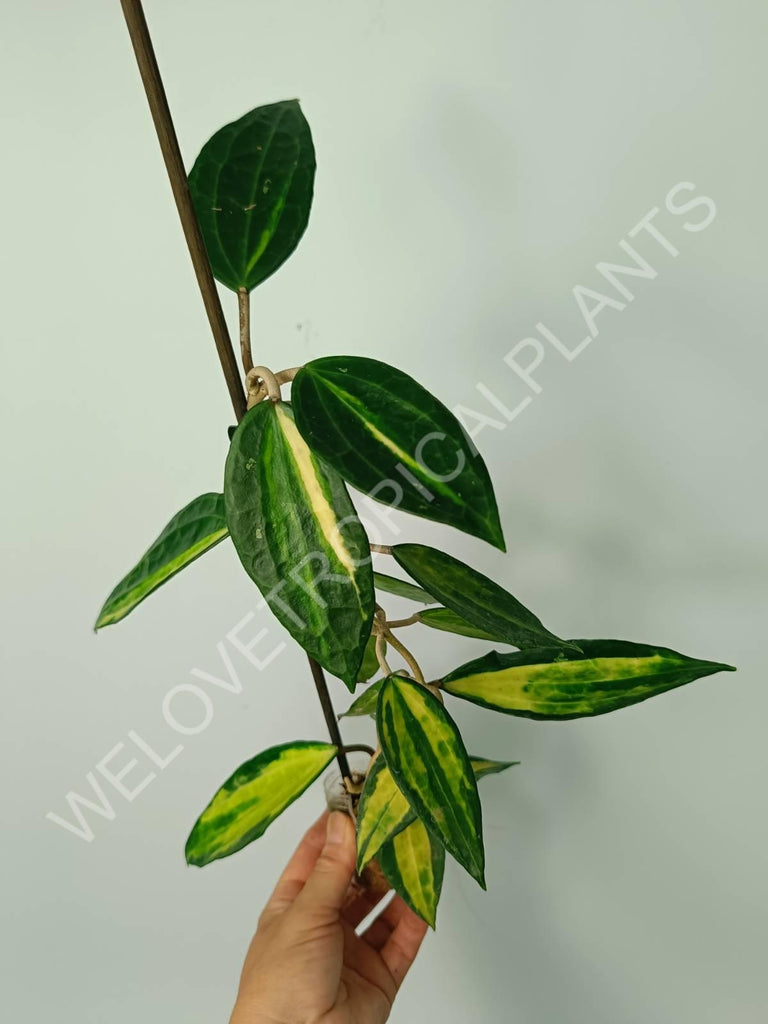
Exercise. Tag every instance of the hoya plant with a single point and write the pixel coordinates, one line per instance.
(307, 434)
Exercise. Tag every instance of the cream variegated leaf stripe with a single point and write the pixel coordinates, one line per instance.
(323, 511)
(610, 674)
(250, 800)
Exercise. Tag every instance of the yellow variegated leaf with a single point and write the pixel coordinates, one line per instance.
(608, 675)
(251, 799)
(426, 755)
(413, 863)
(382, 812)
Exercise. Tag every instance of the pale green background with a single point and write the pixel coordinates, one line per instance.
(475, 162)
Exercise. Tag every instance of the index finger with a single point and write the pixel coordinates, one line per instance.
(299, 867)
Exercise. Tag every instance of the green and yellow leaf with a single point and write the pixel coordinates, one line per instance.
(413, 864)
(392, 439)
(483, 766)
(251, 799)
(607, 675)
(251, 187)
(383, 811)
(427, 758)
(475, 598)
(199, 526)
(299, 539)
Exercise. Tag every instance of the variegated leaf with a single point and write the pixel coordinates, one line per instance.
(475, 598)
(608, 675)
(198, 527)
(483, 766)
(251, 799)
(296, 533)
(382, 812)
(426, 755)
(389, 437)
(413, 863)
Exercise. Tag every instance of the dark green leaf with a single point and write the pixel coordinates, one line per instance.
(475, 598)
(391, 438)
(608, 675)
(426, 755)
(400, 588)
(251, 799)
(251, 187)
(413, 864)
(299, 539)
(450, 622)
(197, 528)
(366, 703)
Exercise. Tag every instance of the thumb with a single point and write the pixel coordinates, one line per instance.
(327, 886)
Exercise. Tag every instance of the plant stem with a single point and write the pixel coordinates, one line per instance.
(330, 717)
(169, 145)
(174, 165)
(406, 655)
(244, 311)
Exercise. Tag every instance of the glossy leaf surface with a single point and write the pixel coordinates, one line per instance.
(413, 864)
(427, 758)
(474, 597)
(610, 674)
(400, 588)
(392, 439)
(251, 187)
(198, 527)
(382, 812)
(250, 800)
(296, 533)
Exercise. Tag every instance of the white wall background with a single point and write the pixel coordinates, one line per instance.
(475, 163)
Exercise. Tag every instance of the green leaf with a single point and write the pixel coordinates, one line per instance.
(391, 438)
(401, 589)
(251, 188)
(427, 758)
(366, 703)
(474, 597)
(296, 533)
(608, 675)
(251, 799)
(451, 622)
(413, 864)
(383, 811)
(370, 664)
(199, 526)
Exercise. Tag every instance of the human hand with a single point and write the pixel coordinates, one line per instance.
(305, 964)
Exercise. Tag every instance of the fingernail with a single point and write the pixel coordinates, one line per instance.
(337, 828)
